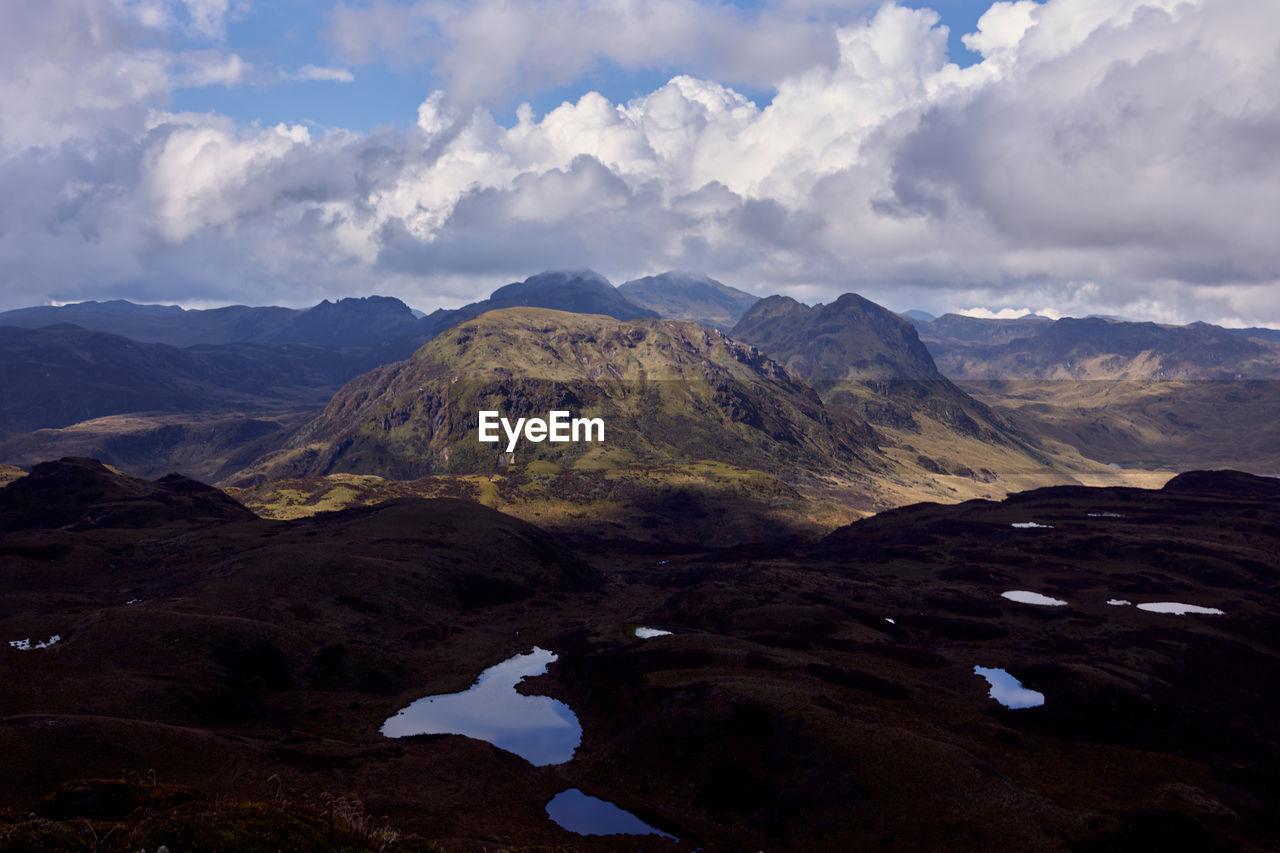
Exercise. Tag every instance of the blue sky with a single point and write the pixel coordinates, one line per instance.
(289, 34)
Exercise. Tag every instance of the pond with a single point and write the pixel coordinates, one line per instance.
(1007, 690)
(577, 812)
(1179, 609)
(26, 645)
(539, 729)
(1023, 596)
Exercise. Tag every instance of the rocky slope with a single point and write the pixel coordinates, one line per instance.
(867, 360)
(668, 392)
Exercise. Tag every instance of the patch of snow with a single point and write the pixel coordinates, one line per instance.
(890, 621)
(1023, 596)
(1027, 525)
(1105, 514)
(1118, 602)
(1179, 609)
(650, 633)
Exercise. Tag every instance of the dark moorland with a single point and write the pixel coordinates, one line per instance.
(812, 697)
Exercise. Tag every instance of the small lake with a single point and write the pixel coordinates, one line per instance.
(577, 812)
(1179, 609)
(539, 729)
(1023, 596)
(26, 645)
(1007, 690)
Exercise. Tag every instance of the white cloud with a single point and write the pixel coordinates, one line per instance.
(1005, 313)
(209, 68)
(317, 72)
(1106, 157)
(195, 18)
(493, 50)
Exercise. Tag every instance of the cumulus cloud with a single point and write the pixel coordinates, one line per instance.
(1109, 158)
(490, 51)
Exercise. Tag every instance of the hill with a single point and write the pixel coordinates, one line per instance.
(866, 360)
(668, 392)
(689, 296)
(1095, 348)
(1135, 394)
(82, 494)
(60, 375)
(345, 324)
(577, 291)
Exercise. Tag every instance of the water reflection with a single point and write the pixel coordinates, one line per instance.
(577, 812)
(1007, 690)
(539, 729)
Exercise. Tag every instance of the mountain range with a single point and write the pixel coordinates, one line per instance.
(223, 407)
(845, 522)
(1133, 394)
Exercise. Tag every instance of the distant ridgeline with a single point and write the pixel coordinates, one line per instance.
(845, 395)
(1139, 395)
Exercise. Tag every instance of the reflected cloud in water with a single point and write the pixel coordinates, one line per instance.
(539, 729)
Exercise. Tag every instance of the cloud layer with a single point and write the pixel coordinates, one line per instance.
(1111, 157)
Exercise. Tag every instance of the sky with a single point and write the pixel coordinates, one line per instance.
(1067, 157)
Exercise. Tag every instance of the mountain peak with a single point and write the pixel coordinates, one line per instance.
(851, 338)
(690, 296)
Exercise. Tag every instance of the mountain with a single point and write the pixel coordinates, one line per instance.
(918, 318)
(1097, 348)
(345, 324)
(1272, 335)
(167, 324)
(205, 445)
(1141, 395)
(667, 392)
(61, 375)
(579, 292)
(670, 394)
(689, 296)
(349, 323)
(958, 327)
(865, 359)
(850, 340)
